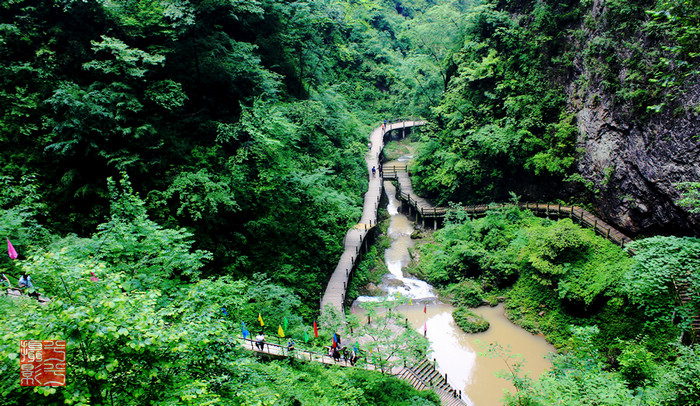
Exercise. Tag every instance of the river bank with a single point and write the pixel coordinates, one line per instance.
(456, 353)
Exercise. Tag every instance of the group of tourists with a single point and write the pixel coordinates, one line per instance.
(24, 282)
(348, 355)
(335, 351)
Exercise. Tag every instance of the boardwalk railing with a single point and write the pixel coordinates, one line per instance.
(425, 210)
(355, 241)
(422, 376)
(278, 350)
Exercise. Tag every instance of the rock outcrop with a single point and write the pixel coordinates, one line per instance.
(632, 169)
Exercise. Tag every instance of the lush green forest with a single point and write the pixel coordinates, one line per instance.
(171, 169)
(181, 152)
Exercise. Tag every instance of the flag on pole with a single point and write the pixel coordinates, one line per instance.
(262, 324)
(335, 344)
(425, 308)
(410, 301)
(280, 332)
(286, 324)
(353, 310)
(425, 329)
(11, 250)
(315, 329)
(306, 337)
(244, 330)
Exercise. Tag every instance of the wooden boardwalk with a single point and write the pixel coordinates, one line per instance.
(425, 210)
(422, 376)
(17, 293)
(355, 237)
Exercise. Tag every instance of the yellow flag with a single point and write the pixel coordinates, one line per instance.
(261, 320)
(280, 332)
(410, 301)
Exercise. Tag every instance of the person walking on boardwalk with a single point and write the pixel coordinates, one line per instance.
(260, 341)
(25, 281)
(336, 354)
(374, 171)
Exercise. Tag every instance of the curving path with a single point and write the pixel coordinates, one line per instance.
(356, 236)
(423, 209)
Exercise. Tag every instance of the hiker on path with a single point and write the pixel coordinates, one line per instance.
(25, 281)
(336, 354)
(260, 341)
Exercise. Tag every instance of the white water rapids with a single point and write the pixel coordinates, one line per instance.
(456, 352)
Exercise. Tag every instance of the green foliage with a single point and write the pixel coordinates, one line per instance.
(577, 378)
(637, 364)
(467, 293)
(582, 266)
(663, 268)
(501, 115)
(468, 321)
(390, 342)
(690, 196)
(372, 267)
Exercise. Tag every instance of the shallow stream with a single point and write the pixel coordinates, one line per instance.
(456, 352)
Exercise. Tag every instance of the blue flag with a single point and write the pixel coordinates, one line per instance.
(223, 309)
(244, 330)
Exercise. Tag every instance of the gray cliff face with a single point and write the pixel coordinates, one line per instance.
(632, 169)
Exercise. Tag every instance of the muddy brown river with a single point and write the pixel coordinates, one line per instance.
(456, 352)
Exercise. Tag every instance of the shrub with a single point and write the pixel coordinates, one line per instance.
(468, 321)
(467, 293)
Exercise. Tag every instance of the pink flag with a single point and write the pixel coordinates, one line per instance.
(93, 278)
(11, 250)
(425, 329)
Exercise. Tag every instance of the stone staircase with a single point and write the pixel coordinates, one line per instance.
(424, 376)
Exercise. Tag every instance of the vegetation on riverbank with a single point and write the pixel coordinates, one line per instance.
(468, 321)
(372, 267)
(586, 295)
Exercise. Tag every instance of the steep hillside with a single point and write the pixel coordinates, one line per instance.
(592, 101)
(636, 93)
